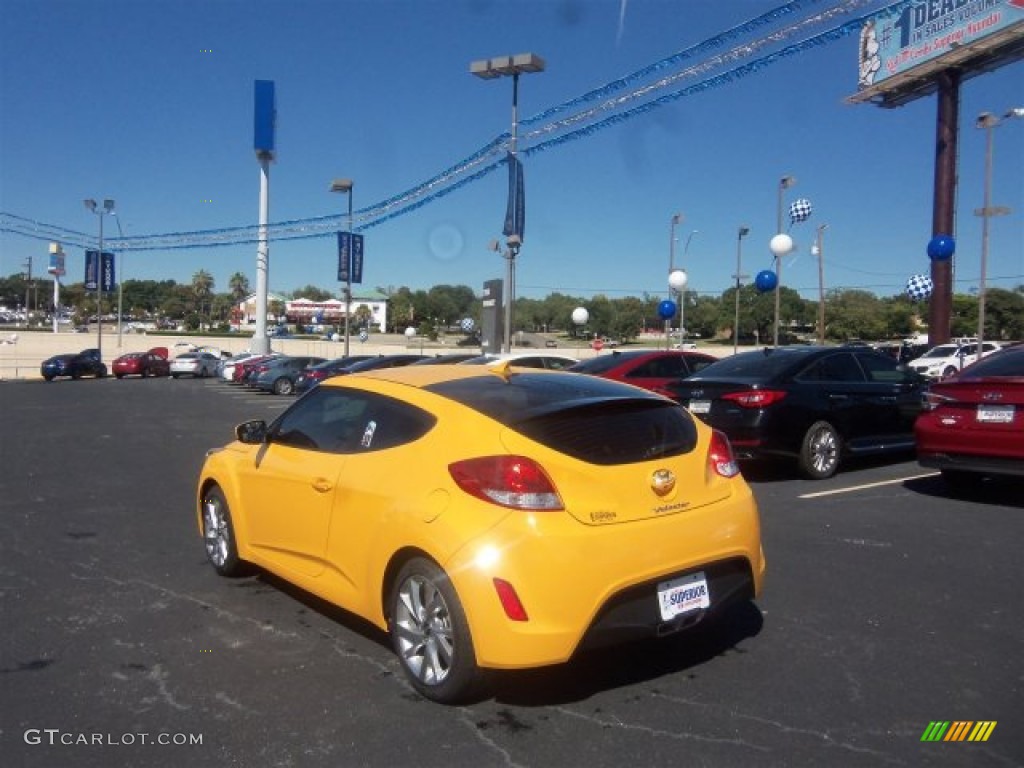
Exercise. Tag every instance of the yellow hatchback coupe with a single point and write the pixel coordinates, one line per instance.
(488, 517)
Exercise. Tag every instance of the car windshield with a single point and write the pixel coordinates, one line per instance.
(1004, 364)
(602, 364)
(592, 419)
(945, 350)
(762, 364)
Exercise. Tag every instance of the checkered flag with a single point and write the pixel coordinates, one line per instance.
(919, 287)
(799, 210)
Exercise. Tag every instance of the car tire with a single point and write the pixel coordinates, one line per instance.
(102, 373)
(219, 535)
(120, 376)
(962, 483)
(48, 378)
(819, 451)
(949, 371)
(175, 375)
(76, 375)
(430, 634)
(284, 386)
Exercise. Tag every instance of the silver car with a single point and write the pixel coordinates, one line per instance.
(196, 364)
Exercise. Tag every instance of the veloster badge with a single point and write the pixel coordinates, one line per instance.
(663, 481)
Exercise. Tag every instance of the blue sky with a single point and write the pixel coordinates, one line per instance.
(150, 103)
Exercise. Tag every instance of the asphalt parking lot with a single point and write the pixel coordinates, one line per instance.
(887, 606)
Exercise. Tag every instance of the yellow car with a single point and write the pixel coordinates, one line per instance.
(488, 517)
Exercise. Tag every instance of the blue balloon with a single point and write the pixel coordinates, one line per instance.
(766, 280)
(666, 309)
(941, 247)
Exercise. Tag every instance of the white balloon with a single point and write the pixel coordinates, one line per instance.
(677, 279)
(410, 332)
(580, 316)
(781, 244)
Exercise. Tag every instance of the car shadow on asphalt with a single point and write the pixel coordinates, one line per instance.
(582, 676)
(993, 491)
(642, 661)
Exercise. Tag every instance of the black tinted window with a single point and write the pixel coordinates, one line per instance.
(348, 421)
(660, 367)
(838, 367)
(998, 364)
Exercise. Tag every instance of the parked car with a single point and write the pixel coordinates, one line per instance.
(278, 374)
(972, 423)
(151, 363)
(948, 359)
(550, 360)
(243, 368)
(817, 405)
(74, 364)
(314, 374)
(226, 368)
(378, 362)
(450, 358)
(196, 364)
(528, 517)
(651, 369)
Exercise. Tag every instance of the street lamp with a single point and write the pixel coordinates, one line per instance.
(489, 69)
(743, 232)
(819, 252)
(677, 282)
(345, 185)
(108, 207)
(677, 218)
(120, 279)
(682, 294)
(784, 183)
(988, 121)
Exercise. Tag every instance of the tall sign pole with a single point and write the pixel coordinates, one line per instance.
(265, 117)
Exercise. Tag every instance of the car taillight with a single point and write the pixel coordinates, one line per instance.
(755, 398)
(932, 400)
(509, 481)
(720, 458)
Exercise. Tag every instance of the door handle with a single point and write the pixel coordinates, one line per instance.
(838, 397)
(322, 484)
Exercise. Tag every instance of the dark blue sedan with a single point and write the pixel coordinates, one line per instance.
(74, 364)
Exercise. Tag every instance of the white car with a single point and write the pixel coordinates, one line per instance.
(946, 359)
(226, 369)
(199, 365)
(547, 360)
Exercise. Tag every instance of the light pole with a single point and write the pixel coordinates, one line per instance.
(345, 185)
(784, 183)
(742, 232)
(120, 279)
(988, 121)
(489, 69)
(108, 207)
(682, 294)
(677, 282)
(677, 218)
(819, 252)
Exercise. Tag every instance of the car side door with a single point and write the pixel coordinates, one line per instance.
(837, 387)
(899, 392)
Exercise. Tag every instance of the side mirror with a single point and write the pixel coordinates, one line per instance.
(252, 432)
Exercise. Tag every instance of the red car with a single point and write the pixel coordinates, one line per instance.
(151, 363)
(245, 367)
(972, 424)
(647, 368)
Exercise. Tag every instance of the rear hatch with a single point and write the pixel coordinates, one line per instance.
(613, 469)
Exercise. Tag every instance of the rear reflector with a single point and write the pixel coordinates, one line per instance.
(510, 600)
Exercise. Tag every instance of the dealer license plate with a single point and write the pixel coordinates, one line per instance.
(689, 593)
(700, 406)
(999, 414)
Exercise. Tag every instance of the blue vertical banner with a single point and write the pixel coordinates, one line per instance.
(515, 213)
(350, 258)
(107, 272)
(344, 256)
(92, 270)
(357, 258)
(264, 116)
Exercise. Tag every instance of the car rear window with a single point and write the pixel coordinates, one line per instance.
(598, 365)
(997, 364)
(592, 419)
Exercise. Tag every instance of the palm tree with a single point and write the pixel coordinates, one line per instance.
(202, 288)
(238, 284)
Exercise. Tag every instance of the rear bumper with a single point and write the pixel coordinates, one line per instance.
(962, 462)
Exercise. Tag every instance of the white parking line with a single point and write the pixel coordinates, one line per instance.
(865, 486)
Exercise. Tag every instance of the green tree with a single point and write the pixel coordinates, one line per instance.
(238, 285)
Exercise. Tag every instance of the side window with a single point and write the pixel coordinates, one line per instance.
(662, 367)
(838, 367)
(882, 370)
(348, 421)
(699, 364)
